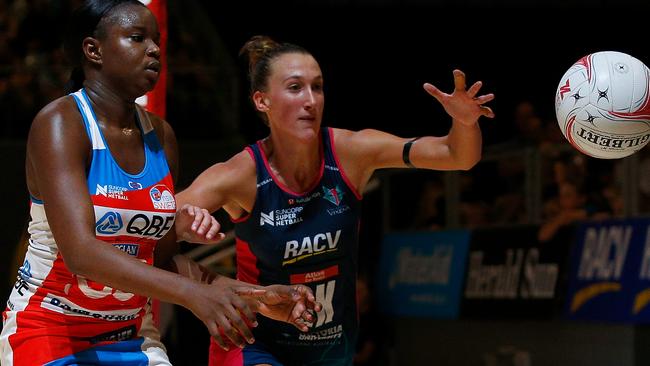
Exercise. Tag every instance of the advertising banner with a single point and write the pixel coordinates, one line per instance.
(511, 275)
(421, 274)
(610, 272)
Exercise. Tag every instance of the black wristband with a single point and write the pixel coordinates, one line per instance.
(407, 151)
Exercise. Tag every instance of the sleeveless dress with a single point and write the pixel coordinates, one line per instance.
(306, 238)
(54, 317)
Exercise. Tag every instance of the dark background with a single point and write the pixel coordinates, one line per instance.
(376, 56)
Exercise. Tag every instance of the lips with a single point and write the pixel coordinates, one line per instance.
(153, 66)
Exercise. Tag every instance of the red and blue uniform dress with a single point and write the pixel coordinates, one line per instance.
(54, 317)
(308, 238)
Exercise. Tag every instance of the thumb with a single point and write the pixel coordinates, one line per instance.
(433, 91)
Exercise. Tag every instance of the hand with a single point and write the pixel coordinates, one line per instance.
(291, 304)
(221, 310)
(196, 225)
(463, 105)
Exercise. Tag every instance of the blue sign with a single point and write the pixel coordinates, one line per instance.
(610, 272)
(421, 274)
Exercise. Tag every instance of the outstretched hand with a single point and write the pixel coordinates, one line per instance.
(197, 225)
(463, 105)
(294, 304)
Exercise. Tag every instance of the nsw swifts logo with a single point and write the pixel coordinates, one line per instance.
(162, 197)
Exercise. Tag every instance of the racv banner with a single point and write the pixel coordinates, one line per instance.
(610, 272)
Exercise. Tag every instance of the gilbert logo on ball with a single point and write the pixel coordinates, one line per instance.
(602, 105)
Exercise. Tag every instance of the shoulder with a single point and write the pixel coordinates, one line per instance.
(232, 173)
(230, 184)
(61, 110)
(60, 120)
(163, 129)
(357, 144)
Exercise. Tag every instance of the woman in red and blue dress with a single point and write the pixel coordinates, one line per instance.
(100, 171)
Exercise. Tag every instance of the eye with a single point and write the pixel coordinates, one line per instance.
(317, 87)
(156, 39)
(294, 87)
(137, 37)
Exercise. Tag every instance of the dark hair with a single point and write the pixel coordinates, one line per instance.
(84, 23)
(261, 51)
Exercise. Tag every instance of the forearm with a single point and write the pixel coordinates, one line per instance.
(108, 265)
(465, 144)
(186, 267)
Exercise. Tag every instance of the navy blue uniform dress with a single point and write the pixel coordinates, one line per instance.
(308, 238)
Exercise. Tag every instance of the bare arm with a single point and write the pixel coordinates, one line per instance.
(57, 151)
(231, 185)
(365, 151)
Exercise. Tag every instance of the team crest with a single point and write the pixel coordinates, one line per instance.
(334, 195)
(162, 197)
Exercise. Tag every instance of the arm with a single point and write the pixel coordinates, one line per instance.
(291, 304)
(58, 150)
(204, 227)
(365, 151)
(232, 185)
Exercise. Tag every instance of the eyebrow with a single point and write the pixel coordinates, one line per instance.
(296, 76)
(142, 29)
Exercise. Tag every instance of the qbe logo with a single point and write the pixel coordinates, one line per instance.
(110, 223)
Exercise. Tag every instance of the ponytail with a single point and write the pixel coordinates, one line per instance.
(76, 80)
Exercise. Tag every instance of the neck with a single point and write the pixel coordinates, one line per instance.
(296, 163)
(109, 106)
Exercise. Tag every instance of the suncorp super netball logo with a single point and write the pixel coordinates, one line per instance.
(162, 197)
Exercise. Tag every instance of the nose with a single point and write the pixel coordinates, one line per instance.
(310, 99)
(153, 50)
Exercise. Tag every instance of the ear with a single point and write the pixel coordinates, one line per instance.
(262, 103)
(92, 50)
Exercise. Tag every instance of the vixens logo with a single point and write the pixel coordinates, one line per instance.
(334, 195)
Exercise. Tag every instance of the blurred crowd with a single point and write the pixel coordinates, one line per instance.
(531, 176)
(202, 81)
(32, 64)
(537, 165)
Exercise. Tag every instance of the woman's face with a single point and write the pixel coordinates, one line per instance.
(130, 55)
(294, 99)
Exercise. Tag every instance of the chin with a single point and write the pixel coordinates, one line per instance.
(308, 133)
